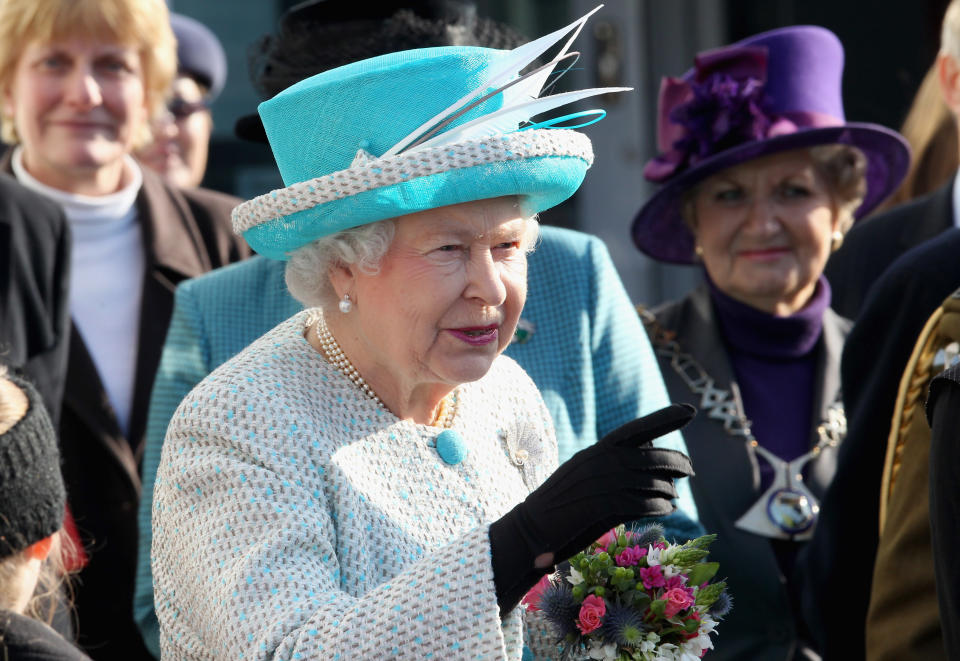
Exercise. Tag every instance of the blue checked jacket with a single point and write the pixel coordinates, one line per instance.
(580, 341)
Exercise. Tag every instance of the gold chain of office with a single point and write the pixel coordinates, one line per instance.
(722, 405)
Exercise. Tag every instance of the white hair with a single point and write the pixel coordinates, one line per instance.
(950, 32)
(308, 270)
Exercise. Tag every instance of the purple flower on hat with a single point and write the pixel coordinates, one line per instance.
(722, 113)
(771, 92)
(722, 106)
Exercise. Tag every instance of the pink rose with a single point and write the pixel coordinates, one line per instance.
(677, 600)
(630, 556)
(532, 599)
(676, 581)
(591, 614)
(652, 577)
(608, 540)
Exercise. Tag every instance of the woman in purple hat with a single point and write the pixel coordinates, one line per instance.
(760, 177)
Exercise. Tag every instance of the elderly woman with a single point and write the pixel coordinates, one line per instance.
(760, 178)
(79, 81)
(372, 478)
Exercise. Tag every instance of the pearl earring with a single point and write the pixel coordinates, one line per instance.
(698, 250)
(836, 240)
(346, 304)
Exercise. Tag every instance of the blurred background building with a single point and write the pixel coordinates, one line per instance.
(889, 45)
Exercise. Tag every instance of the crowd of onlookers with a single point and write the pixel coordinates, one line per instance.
(824, 458)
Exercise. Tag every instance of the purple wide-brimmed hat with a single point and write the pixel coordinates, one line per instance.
(772, 92)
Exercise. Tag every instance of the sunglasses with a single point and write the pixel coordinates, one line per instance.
(181, 109)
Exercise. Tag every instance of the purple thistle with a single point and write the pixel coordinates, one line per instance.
(623, 626)
(647, 535)
(560, 608)
(721, 606)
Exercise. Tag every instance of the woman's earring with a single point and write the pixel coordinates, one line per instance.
(346, 304)
(10, 129)
(698, 250)
(836, 240)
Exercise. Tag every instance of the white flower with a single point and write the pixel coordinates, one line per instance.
(707, 624)
(575, 577)
(602, 652)
(653, 555)
(668, 651)
(696, 646)
(670, 571)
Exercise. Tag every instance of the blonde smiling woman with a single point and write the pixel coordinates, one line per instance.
(79, 80)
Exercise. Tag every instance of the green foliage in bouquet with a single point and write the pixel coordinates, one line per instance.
(632, 596)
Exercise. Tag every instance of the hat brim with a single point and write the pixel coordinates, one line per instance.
(250, 128)
(543, 181)
(660, 232)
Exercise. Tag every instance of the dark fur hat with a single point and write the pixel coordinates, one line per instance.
(318, 35)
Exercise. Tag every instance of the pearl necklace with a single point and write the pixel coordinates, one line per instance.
(446, 411)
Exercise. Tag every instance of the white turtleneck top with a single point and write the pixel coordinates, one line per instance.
(106, 278)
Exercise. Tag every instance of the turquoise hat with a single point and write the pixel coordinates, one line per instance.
(411, 131)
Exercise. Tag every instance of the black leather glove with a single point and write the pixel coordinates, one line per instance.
(620, 478)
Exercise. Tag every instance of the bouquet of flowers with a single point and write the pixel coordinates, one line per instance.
(632, 596)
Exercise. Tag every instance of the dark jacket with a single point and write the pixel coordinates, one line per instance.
(943, 410)
(763, 623)
(26, 639)
(903, 619)
(843, 548)
(34, 271)
(875, 243)
(185, 233)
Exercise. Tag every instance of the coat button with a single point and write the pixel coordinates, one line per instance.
(451, 446)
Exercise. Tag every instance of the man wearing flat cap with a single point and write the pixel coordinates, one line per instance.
(181, 136)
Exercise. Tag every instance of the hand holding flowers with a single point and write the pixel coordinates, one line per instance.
(631, 596)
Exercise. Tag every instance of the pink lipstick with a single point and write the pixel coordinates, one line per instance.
(477, 336)
(764, 254)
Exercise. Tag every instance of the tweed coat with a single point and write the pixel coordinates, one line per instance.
(877, 242)
(583, 354)
(185, 233)
(34, 274)
(296, 518)
(763, 624)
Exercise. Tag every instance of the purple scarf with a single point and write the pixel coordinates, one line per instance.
(774, 362)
